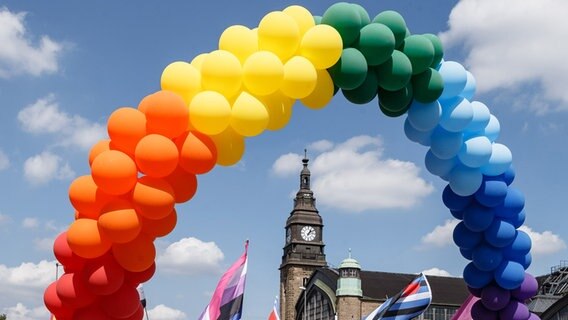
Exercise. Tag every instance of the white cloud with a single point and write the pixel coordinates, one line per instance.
(441, 236)
(18, 55)
(191, 256)
(437, 272)
(353, 176)
(21, 312)
(320, 146)
(44, 167)
(4, 161)
(4, 218)
(162, 312)
(512, 44)
(44, 116)
(25, 283)
(545, 242)
(30, 223)
(44, 244)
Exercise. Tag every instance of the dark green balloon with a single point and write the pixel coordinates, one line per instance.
(392, 114)
(428, 86)
(394, 73)
(396, 101)
(420, 51)
(363, 14)
(364, 93)
(350, 71)
(346, 19)
(376, 43)
(395, 22)
(438, 49)
(317, 20)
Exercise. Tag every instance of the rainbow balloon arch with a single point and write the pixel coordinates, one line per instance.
(207, 107)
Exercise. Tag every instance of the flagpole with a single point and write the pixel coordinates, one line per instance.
(146, 312)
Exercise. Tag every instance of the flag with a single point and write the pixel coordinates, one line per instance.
(464, 312)
(140, 290)
(227, 300)
(274, 314)
(412, 301)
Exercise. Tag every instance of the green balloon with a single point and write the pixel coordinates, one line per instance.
(376, 43)
(364, 93)
(396, 101)
(392, 114)
(420, 51)
(350, 71)
(428, 86)
(317, 20)
(346, 19)
(394, 73)
(363, 14)
(438, 49)
(395, 22)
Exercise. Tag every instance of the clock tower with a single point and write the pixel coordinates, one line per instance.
(303, 248)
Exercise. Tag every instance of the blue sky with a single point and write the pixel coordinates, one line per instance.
(66, 65)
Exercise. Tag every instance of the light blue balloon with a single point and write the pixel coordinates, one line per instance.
(470, 87)
(475, 152)
(455, 79)
(492, 129)
(457, 114)
(424, 116)
(422, 137)
(481, 116)
(437, 166)
(500, 160)
(445, 144)
(465, 181)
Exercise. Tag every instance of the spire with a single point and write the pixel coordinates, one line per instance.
(305, 174)
(305, 196)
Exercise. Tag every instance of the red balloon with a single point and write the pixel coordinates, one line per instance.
(92, 312)
(54, 304)
(184, 184)
(136, 278)
(121, 304)
(72, 290)
(70, 261)
(138, 315)
(104, 276)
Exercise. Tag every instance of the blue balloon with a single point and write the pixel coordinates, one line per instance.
(467, 253)
(415, 135)
(437, 166)
(453, 201)
(492, 129)
(509, 175)
(465, 238)
(476, 278)
(424, 116)
(487, 258)
(520, 246)
(509, 275)
(491, 193)
(470, 87)
(464, 180)
(513, 203)
(478, 218)
(455, 78)
(481, 116)
(500, 233)
(457, 214)
(500, 160)
(457, 114)
(525, 260)
(445, 144)
(517, 220)
(475, 152)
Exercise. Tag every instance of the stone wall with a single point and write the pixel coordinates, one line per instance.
(348, 308)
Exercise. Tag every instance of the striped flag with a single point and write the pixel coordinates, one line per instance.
(227, 300)
(464, 312)
(412, 301)
(274, 314)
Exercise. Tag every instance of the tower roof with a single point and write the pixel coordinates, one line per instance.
(349, 263)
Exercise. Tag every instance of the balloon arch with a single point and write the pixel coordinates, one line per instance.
(207, 107)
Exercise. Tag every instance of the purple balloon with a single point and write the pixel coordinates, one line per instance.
(495, 298)
(528, 288)
(515, 310)
(479, 312)
(534, 317)
(476, 292)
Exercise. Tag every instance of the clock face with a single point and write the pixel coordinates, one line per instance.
(308, 233)
(288, 236)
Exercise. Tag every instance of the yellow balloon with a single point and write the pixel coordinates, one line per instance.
(263, 73)
(300, 78)
(249, 116)
(221, 71)
(322, 93)
(279, 33)
(230, 147)
(279, 109)
(197, 62)
(303, 17)
(181, 78)
(209, 112)
(240, 41)
(322, 45)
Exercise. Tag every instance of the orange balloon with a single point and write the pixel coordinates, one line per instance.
(114, 172)
(85, 239)
(183, 183)
(120, 222)
(153, 198)
(98, 148)
(87, 198)
(126, 126)
(137, 255)
(161, 227)
(198, 154)
(166, 113)
(156, 155)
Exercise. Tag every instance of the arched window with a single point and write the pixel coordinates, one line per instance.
(318, 307)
